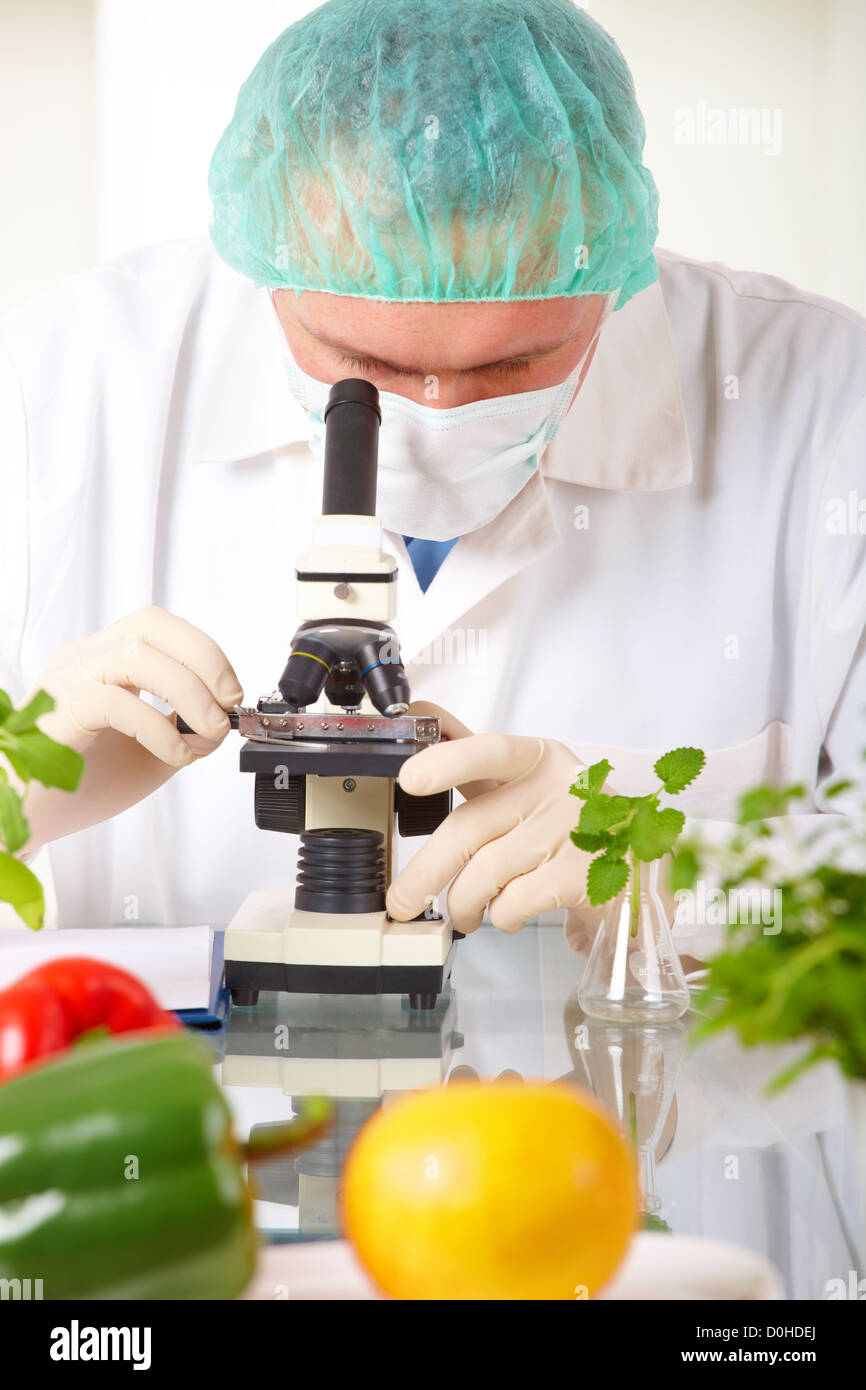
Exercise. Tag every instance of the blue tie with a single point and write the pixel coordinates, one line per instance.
(427, 558)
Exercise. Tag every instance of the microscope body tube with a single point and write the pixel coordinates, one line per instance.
(346, 573)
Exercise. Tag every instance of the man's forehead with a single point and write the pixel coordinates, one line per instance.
(461, 335)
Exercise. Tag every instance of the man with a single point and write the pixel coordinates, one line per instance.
(610, 476)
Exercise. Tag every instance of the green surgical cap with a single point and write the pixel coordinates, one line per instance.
(438, 150)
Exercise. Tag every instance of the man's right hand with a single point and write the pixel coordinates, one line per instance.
(129, 747)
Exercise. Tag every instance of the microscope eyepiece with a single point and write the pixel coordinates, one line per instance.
(352, 419)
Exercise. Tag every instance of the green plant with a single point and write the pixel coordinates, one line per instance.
(34, 757)
(804, 980)
(624, 831)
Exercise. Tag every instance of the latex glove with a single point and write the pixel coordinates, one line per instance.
(508, 844)
(129, 747)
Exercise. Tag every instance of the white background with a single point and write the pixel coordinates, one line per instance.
(109, 111)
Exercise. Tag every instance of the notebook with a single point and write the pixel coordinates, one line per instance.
(181, 966)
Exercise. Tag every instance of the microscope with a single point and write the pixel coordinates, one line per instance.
(328, 774)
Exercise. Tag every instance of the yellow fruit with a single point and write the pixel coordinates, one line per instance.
(490, 1191)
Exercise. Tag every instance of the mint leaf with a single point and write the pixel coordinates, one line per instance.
(601, 811)
(605, 878)
(589, 843)
(34, 754)
(5, 705)
(653, 832)
(837, 788)
(591, 779)
(615, 845)
(25, 718)
(20, 887)
(678, 768)
(14, 830)
(652, 1222)
(763, 802)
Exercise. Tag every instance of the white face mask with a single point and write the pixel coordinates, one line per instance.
(444, 473)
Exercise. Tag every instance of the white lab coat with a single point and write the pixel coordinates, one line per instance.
(679, 572)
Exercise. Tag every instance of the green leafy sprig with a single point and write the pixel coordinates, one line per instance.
(34, 757)
(624, 831)
(805, 981)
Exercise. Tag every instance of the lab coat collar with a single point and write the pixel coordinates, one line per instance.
(239, 398)
(626, 430)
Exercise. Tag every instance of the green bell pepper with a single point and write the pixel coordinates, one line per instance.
(120, 1177)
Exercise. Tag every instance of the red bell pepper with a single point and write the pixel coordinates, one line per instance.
(47, 1009)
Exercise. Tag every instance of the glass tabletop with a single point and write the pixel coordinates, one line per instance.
(718, 1157)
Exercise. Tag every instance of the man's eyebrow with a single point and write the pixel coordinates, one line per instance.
(351, 351)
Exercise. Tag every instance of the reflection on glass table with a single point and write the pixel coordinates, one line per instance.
(717, 1157)
(355, 1048)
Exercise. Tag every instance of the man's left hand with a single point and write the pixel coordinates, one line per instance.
(508, 843)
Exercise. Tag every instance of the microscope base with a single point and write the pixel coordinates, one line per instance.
(422, 983)
(271, 945)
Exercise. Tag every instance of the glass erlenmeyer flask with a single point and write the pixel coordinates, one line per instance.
(634, 974)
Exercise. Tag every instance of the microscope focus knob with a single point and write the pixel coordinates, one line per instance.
(280, 807)
(420, 815)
